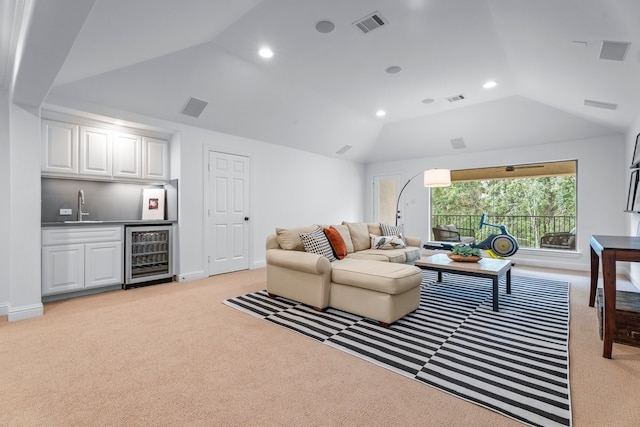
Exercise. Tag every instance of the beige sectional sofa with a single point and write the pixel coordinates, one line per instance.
(380, 284)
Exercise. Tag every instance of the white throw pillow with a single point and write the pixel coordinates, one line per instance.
(387, 242)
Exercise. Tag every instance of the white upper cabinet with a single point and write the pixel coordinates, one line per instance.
(101, 153)
(95, 151)
(155, 159)
(59, 147)
(127, 152)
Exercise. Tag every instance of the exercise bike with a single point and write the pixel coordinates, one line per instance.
(497, 245)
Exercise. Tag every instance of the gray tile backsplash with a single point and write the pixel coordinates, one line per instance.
(105, 201)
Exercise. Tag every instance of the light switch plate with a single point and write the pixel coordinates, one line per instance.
(65, 211)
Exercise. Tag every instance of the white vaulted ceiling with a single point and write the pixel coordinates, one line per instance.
(321, 91)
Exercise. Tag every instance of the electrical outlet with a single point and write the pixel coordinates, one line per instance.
(65, 212)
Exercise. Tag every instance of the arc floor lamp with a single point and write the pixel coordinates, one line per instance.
(432, 178)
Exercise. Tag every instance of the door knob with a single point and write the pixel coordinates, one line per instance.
(246, 218)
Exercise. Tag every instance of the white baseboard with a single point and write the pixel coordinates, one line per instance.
(194, 275)
(563, 260)
(4, 309)
(259, 264)
(25, 312)
(550, 264)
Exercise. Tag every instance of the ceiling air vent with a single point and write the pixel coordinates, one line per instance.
(458, 143)
(344, 149)
(194, 107)
(455, 98)
(370, 22)
(615, 51)
(598, 104)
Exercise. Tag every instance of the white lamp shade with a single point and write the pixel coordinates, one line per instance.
(437, 178)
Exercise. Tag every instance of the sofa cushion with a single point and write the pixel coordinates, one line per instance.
(337, 242)
(391, 255)
(366, 254)
(359, 235)
(389, 278)
(386, 242)
(374, 228)
(412, 253)
(316, 242)
(344, 232)
(289, 238)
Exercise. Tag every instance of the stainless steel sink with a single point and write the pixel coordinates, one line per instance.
(83, 222)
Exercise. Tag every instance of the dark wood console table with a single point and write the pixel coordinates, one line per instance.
(610, 249)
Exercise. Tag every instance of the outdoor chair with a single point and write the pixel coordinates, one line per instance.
(451, 233)
(561, 240)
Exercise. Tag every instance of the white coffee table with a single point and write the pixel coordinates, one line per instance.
(487, 268)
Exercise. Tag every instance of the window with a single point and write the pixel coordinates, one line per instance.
(537, 203)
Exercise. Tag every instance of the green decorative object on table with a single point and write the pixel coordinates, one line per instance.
(465, 253)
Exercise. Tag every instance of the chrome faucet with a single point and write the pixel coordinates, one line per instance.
(80, 203)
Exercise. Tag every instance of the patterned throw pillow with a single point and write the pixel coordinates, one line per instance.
(393, 230)
(317, 243)
(386, 242)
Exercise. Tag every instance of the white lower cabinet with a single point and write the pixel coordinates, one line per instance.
(62, 269)
(102, 264)
(74, 259)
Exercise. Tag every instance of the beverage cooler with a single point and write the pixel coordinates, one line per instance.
(148, 255)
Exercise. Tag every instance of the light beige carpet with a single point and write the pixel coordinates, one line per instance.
(173, 354)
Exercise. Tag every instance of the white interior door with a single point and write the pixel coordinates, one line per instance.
(228, 212)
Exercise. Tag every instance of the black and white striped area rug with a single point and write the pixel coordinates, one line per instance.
(514, 361)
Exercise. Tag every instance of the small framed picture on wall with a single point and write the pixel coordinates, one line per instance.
(636, 154)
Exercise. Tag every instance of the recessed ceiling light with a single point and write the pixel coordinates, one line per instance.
(381, 113)
(427, 100)
(265, 52)
(394, 69)
(325, 26)
(490, 84)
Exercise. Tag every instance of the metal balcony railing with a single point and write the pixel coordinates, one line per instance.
(528, 230)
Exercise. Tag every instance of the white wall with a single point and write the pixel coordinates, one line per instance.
(602, 190)
(5, 250)
(289, 188)
(633, 219)
(20, 289)
(24, 214)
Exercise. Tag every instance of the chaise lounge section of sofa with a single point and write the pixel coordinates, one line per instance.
(375, 282)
